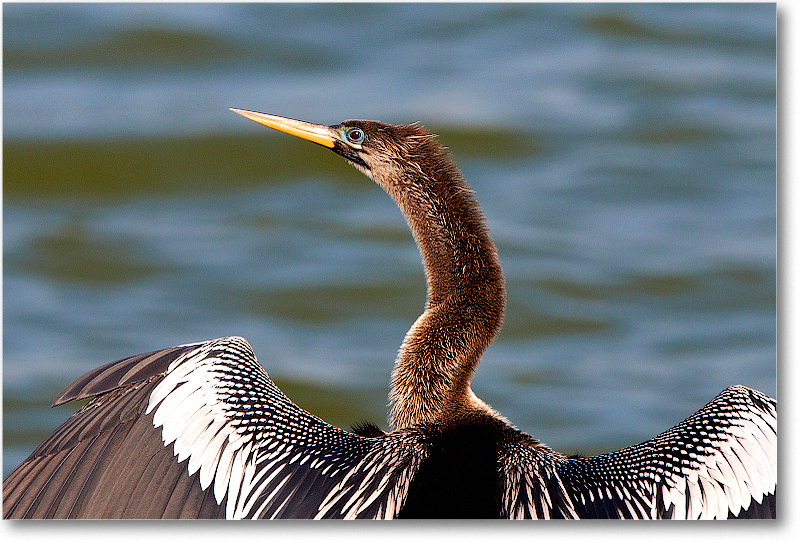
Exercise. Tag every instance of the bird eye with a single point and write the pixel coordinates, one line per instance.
(355, 135)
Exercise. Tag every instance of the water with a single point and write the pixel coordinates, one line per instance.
(624, 156)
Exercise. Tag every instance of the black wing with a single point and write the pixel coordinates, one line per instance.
(200, 431)
(721, 462)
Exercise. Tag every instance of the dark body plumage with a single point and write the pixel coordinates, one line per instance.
(459, 478)
(200, 430)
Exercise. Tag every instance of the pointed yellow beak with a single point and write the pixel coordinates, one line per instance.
(324, 135)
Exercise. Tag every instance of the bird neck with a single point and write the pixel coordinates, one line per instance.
(465, 300)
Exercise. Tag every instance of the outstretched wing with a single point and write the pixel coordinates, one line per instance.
(721, 462)
(201, 431)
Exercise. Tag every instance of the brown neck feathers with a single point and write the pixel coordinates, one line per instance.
(466, 292)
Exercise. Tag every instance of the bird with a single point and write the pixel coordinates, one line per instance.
(201, 431)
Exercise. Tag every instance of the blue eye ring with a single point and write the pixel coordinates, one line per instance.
(354, 135)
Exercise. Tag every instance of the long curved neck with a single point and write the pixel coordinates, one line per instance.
(466, 295)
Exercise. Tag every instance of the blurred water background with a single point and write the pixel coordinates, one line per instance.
(624, 156)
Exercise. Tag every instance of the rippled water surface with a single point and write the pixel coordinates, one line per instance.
(624, 156)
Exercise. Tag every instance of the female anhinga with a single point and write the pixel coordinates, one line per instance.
(201, 431)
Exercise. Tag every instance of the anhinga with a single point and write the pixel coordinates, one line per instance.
(200, 430)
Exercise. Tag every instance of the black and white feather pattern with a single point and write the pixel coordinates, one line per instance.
(716, 464)
(203, 426)
(219, 409)
(201, 431)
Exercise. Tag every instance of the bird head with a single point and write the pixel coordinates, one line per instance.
(384, 152)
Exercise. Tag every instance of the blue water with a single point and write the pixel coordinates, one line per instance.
(624, 156)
